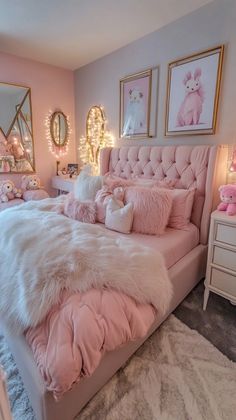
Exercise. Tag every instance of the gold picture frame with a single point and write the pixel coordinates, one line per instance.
(193, 90)
(13, 140)
(138, 104)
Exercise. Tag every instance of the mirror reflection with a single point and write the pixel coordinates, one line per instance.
(16, 133)
(59, 128)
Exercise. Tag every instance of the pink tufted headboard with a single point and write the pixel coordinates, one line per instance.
(192, 166)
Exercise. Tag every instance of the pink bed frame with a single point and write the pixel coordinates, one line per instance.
(192, 166)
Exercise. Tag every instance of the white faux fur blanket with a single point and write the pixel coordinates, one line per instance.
(43, 252)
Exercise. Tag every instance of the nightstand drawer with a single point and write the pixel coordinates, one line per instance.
(226, 234)
(223, 281)
(224, 257)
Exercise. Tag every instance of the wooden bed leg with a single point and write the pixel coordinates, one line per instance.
(206, 296)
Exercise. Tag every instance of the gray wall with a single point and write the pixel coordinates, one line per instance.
(98, 82)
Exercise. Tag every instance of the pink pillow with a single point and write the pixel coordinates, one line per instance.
(81, 211)
(29, 195)
(152, 208)
(101, 200)
(182, 208)
(113, 181)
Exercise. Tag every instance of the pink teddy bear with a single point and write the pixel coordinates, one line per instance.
(228, 198)
(191, 107)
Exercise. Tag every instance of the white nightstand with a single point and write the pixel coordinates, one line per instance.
(221, 262)
(63, 184)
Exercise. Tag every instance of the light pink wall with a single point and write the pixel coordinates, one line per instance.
(51, 88)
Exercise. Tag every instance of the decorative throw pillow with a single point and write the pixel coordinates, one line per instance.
(119, 218)
(101, 200)
(83, 212)
(29, 195)
(150, 183)
(113, 181)
(182, 208)
(86, 186)
(152, 208)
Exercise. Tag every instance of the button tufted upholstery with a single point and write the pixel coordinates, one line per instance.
(192, 166)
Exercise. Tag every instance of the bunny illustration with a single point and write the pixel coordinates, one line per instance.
(191, 107)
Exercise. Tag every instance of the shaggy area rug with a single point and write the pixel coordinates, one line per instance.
(176, 375)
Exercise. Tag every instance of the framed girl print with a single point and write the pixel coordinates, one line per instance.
(193, 93)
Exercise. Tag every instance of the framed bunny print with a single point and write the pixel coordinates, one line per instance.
(193, 93)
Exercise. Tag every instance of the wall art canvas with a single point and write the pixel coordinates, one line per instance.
(138, 95)
(193, 93)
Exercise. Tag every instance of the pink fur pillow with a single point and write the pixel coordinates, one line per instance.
(182, 208)
(81, 211)
(152, 208)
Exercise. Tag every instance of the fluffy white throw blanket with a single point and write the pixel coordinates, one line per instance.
(43, 252)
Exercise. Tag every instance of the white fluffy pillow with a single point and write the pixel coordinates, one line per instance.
(119, 218)
(86, 186)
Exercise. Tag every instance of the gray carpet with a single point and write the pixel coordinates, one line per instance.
(217, 323)
(176, 375)
(20, 405)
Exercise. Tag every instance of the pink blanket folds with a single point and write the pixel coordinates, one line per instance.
(76, 289)
(76, 333)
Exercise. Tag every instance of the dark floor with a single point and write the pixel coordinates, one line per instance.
(217, 323)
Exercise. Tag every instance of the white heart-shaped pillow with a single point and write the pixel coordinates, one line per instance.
(118, 216)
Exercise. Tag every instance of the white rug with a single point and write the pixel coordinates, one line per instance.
(176, 375)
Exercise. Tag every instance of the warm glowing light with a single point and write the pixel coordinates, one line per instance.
(96, 138)
(57, 151)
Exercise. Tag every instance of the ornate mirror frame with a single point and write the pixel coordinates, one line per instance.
(19, 135)
(52, 131)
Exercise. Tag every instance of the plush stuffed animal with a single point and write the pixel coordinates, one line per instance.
(228, 199)
(191, 107)
(8, 191)
(30, 182)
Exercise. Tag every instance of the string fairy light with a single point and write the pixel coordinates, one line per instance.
(96, 138)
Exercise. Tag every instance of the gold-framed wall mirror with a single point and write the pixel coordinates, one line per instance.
(16, 129)
(59, 128)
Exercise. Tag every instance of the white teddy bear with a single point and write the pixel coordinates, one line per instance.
(8, 191)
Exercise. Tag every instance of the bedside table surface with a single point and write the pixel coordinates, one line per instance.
(63, 184)
(222, 216)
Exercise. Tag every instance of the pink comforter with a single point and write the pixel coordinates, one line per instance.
(76, 333)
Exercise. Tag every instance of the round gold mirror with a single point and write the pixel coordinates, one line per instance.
(59, 128)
